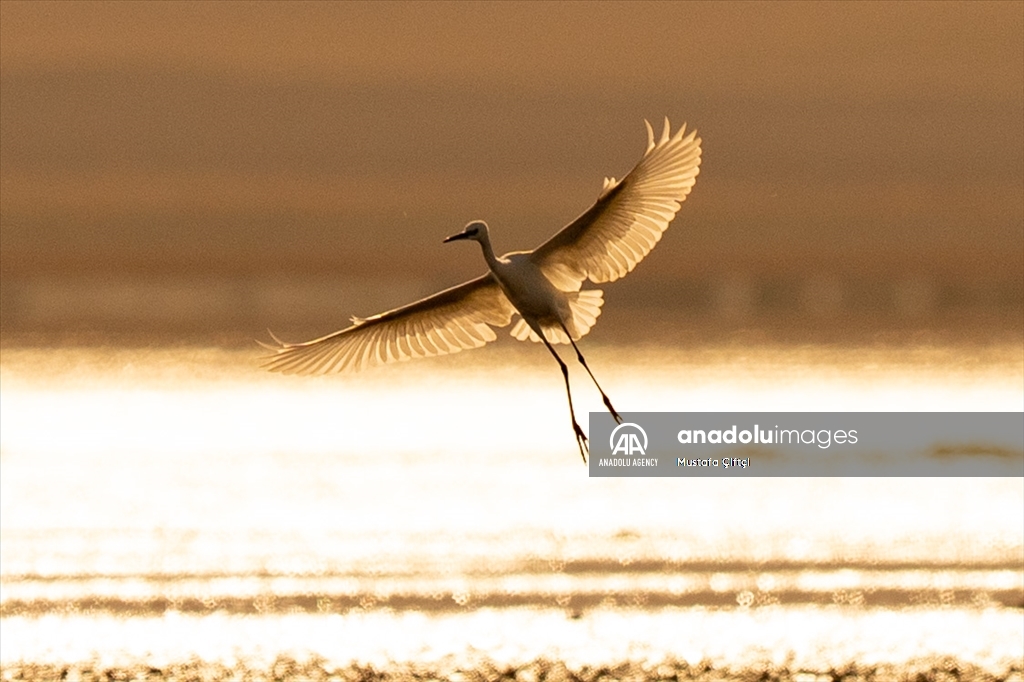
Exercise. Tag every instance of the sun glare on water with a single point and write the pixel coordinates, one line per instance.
(171, 504)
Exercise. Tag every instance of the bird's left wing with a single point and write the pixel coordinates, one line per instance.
(449, 321)
(618, 231)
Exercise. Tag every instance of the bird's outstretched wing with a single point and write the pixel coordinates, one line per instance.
(615, 234)
(447, 322)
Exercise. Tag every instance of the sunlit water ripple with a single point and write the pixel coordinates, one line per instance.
(168, 505)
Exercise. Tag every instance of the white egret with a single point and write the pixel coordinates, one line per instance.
(542, 286)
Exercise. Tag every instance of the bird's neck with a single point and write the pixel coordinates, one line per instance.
(485, 246)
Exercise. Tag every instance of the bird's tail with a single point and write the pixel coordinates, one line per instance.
(585, 307)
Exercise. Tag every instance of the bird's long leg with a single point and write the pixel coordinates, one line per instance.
(583, 361)
(581, 438)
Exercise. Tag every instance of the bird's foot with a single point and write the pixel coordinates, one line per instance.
(615, 414)
(581, 441)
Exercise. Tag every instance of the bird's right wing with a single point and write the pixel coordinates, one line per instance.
(609, 239)
(447, 322)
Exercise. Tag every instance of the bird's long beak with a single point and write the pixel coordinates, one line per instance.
(456, 237)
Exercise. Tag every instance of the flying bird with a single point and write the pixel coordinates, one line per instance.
(543, 287)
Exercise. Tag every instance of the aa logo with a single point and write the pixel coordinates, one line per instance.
(628, 439)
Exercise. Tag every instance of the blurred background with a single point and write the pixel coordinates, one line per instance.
(207, 170)
(175, 178)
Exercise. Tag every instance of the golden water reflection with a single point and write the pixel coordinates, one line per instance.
(172, 491)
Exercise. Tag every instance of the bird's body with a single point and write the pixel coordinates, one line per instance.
(532, 294)
(543, 286)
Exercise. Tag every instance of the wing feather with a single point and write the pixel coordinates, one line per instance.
(447, 322)
(607, 241)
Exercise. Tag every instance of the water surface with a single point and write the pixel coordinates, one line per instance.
(171, 504)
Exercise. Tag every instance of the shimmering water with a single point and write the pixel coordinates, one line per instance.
(166, 505)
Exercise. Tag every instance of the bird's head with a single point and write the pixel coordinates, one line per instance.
(476, 230)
